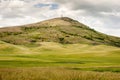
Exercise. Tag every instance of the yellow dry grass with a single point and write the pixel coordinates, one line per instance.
(54, 74)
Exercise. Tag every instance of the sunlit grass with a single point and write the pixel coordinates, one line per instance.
(55, 54)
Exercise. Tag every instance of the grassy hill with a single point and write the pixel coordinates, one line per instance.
(62, 30)
(58, 49)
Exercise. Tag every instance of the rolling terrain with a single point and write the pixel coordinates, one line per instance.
(58, 49)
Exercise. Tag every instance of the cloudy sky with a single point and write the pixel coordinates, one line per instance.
(102, 15)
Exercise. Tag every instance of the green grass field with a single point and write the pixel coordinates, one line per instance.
(50, 57)
(55, 54)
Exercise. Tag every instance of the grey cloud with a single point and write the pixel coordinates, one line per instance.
(89, 7)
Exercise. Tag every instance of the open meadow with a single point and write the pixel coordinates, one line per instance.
(55, 61)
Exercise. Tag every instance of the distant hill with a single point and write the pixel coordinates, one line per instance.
(62, 30)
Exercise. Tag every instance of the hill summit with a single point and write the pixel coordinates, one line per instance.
(62, 30)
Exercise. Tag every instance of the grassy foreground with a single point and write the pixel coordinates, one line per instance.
(54, 61)
(54, 74)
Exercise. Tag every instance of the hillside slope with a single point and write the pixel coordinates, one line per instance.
(62, 30)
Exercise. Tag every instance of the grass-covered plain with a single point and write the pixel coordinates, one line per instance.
(55, 61)
(55, 54)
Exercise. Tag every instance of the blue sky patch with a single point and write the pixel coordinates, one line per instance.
(52, 6)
